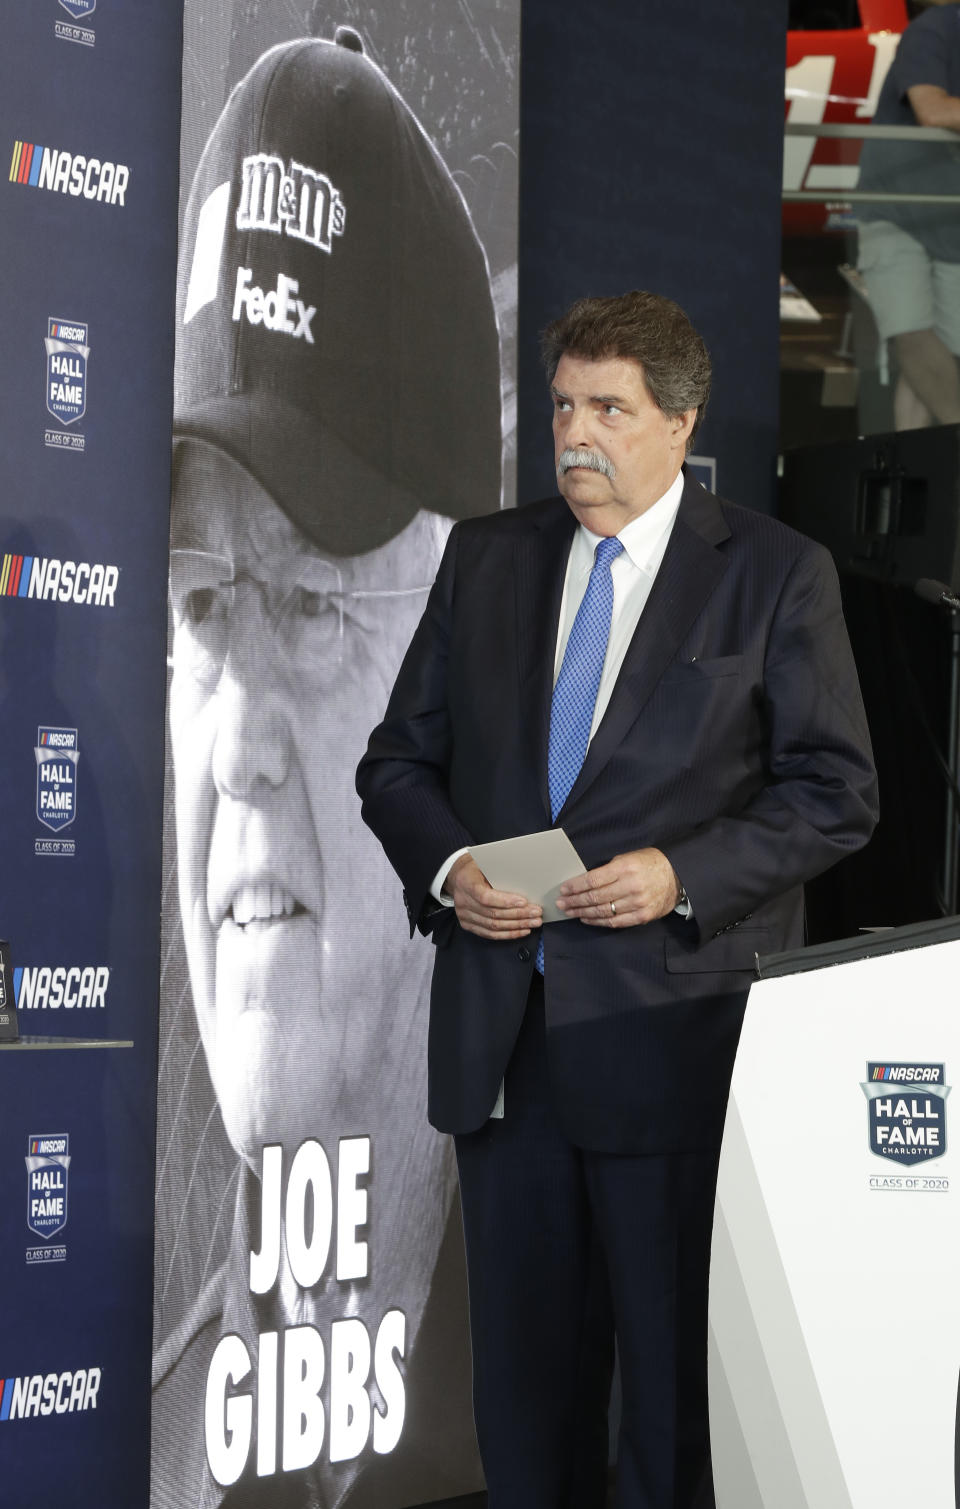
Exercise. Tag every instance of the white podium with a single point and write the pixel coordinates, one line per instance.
(835, 1277)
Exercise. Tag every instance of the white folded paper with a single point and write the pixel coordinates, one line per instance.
(534, 866)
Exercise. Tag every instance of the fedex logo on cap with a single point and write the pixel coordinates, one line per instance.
(297, 201)
(279, 309)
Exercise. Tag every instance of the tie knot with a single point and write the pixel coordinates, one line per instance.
(607, 551)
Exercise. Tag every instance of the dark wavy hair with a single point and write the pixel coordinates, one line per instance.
(641, 327)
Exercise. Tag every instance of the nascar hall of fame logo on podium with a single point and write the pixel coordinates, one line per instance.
(58, 754)
(907, 1109)
(48, 1168)
(68, 351)
(73, 30)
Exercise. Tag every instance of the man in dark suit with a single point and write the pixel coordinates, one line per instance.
(668, 678)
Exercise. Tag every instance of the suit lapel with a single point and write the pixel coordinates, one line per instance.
(689, 572)
(540, 560)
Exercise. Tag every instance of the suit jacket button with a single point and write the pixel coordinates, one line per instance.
(523, 954)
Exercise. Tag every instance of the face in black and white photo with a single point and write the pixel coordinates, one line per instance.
(337, 400)
(282, 656)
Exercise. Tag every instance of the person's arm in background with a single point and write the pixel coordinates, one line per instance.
(933, 106)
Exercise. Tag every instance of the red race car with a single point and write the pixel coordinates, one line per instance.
(838, 54)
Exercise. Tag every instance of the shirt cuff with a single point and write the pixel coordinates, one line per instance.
(436, 884)
(684, 907)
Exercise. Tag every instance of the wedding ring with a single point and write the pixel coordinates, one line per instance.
(613, 908)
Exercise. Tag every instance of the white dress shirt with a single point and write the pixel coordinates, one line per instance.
(634, 571)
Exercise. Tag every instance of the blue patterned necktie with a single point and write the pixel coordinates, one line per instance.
(575, 694)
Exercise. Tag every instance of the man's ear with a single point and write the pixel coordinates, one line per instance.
(683, 424)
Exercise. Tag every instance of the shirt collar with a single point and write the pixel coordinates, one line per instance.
(643, 538)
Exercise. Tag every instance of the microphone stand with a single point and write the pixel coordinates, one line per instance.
(942, 596)
(953, 750)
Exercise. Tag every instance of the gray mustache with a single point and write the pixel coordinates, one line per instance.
(595, 461)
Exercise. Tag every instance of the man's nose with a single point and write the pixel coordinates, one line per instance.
(578, 434)
(252, 739)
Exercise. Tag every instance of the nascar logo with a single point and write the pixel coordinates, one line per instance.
(40, 1145)
(67, 332)
(68, 173)
(49, 1393)
(907, 1073)
(58, 581)
(39, 988)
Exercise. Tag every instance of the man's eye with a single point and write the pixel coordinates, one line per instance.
(317, 613)
(309, 604)
(610, 409)
(315, 605)
(561, 405)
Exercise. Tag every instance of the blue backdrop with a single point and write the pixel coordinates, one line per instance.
(651, 158)
(89, 105)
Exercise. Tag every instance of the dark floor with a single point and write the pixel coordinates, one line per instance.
(471, 1501)
(479, 1501)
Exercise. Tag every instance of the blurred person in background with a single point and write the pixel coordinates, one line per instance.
(910, 253)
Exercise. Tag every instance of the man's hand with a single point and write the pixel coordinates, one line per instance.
(484, 911)
(632, 888)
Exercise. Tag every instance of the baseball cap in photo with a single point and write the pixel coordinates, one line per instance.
(335, 327)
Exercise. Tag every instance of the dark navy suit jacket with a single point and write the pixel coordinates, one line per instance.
(735, 741)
